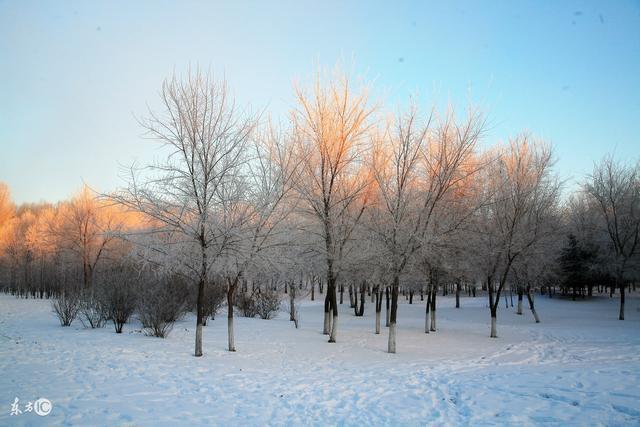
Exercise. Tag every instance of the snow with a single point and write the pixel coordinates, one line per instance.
(579, 366)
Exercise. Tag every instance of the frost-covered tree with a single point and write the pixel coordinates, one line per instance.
(331, 126)
(615, 188)
(194, 192)
(523, 196)
(416, 168)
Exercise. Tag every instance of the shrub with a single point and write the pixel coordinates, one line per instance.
(66, 306)
(267, 303)
(264, 303)
(161, 303)
(118, 295)
(92, 313)
(246, 304)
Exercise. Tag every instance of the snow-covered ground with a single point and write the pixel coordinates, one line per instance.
(580, 366)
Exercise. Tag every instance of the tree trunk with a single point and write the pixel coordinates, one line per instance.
(199, 325)
(363, 289)
(85, 273)
(352, 302)
(200, 299)
(378, 295)
(327, 315)
(531, 306)
(411, 297)
(230, 295)
(386, 291)
(493, 307)
(341, 294)
(519, 311)
(621, 316)
(494, 330)
(394, 314)
(433, 309)
(457, 294)
(292, 302)
(355, 303)
(331, 292)
(313, 290)
(426, 311)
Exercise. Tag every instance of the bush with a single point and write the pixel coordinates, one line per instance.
(118, 295)
(267, 303)
(66, 306)
(161, 303)
(92, 313)
(246, 304)
(264, 303)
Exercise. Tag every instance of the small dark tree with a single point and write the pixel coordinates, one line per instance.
(575, 266)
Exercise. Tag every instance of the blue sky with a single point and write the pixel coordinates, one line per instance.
(73, 75)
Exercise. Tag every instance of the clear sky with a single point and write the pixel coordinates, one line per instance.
(73, 75)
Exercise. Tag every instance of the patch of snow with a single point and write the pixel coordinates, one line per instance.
(579, 366)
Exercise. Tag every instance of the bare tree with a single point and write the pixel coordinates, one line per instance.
(415, 170)
(524, 197)
(195, 189)
(88, 228)
(615, 187)
(331, 127)
(259, 220)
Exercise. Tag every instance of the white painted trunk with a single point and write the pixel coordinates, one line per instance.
(198, 340)
(535, 315)
(334, 329)
(494, 330)
(232, 345)
(426, 322)
(377, 322)
(519, 307)
(392, 338)
(327, 322)
(433, 321)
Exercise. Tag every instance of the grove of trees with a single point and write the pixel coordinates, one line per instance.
(343, 195)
